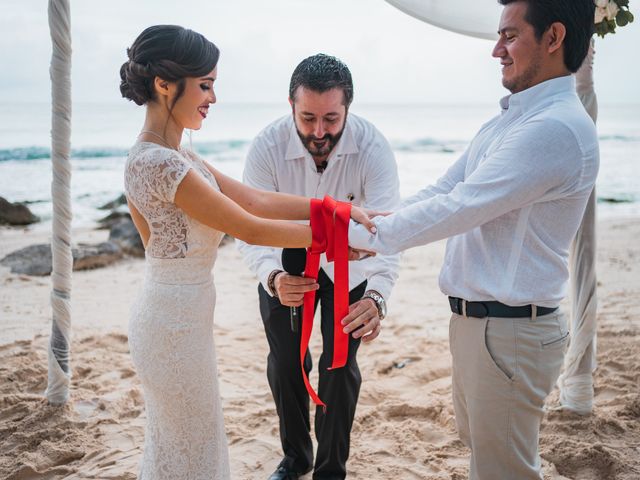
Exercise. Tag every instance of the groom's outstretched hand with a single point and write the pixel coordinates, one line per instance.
(363, 320)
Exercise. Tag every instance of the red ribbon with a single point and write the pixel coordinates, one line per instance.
(330, 231)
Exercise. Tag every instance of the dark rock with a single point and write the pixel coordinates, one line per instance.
(124, 234)
(15, 213)
(621, 199)
(32, 260)
(86, 256)
(113, 218)
(36, 259)
(121, 200)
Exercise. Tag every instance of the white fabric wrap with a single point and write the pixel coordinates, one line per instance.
(59, 369)
(576, 381)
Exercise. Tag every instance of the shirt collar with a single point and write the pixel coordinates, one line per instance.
(532, 96)
(346, 145)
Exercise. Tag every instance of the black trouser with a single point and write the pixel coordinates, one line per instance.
(338, 388)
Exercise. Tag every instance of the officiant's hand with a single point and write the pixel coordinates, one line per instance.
(291, 288)
(363, 320)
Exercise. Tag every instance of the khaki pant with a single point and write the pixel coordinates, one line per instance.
(503, 369)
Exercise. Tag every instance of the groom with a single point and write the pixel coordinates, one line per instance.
(510, 206)
(320, 149)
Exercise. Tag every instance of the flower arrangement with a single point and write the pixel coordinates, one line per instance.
(611, 14)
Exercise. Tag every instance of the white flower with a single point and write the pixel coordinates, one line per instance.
(601, 3)
(612, 10)
(601, 14)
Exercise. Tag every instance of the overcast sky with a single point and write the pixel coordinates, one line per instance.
(393, 57)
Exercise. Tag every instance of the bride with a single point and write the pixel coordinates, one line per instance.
(182, 207)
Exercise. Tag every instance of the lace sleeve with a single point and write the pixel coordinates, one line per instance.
(153, 175)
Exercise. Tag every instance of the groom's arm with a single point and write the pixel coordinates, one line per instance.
(514, 176)
(454, 174)
(444, 185)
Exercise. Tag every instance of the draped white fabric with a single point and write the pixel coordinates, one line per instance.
(576, 382)
(59, 368)
(475, 18)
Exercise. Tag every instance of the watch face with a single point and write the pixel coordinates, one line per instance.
(379, 301)
(382, 307)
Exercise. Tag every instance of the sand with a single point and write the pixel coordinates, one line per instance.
(404, 425)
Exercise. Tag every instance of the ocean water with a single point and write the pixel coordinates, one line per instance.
(426, 139)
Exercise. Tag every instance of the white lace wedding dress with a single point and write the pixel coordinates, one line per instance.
(171, 324)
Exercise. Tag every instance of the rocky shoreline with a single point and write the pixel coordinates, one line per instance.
(36, 259)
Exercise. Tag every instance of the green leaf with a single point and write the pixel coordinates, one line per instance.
(621, 18)
(602, 29)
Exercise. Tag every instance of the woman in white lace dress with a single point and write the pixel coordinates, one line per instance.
(181, 207)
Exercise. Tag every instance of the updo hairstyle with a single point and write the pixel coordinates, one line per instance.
(169, 52)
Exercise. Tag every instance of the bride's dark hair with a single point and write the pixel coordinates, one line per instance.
(170, 52)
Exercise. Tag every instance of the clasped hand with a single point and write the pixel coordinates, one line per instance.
(362, 320)
(364, 217)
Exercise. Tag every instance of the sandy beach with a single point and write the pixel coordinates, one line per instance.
(404, 425)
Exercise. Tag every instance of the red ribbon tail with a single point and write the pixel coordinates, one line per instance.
(329, 231)
(318, 245)
(308, 307)
(341, 284)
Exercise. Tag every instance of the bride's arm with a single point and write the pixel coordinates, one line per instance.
(260, 202)
(220, 211)
(276, 205)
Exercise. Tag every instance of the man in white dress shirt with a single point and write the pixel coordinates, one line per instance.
(321, 149)
(510, 207)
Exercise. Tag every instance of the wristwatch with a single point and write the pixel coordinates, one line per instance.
(381, 305)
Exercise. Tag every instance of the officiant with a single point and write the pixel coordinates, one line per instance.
(320, 149)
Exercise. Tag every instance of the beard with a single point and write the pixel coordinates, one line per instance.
(320, 148)
(525, 79)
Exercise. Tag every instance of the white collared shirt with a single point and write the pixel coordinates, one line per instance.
(510, 205)
(361, 169)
